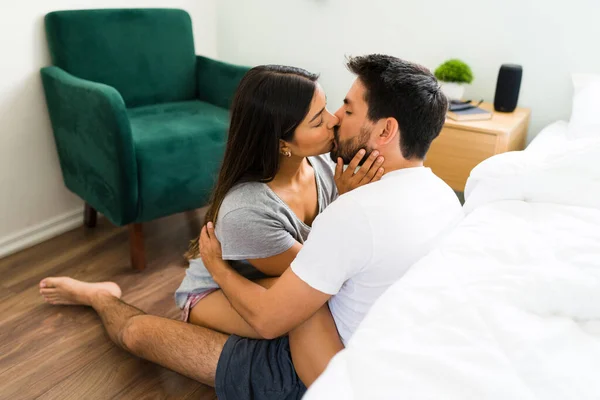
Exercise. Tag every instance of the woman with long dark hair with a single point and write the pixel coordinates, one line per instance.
(275, 179)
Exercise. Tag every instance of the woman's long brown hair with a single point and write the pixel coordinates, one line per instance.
(269, 104)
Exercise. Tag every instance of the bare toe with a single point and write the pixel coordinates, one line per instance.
(65, 290)
(44, 283)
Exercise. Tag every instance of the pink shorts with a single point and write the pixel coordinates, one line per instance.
(191, 301)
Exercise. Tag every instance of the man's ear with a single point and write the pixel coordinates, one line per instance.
(389, 131)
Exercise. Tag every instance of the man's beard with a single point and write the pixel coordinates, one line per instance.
(349, 147)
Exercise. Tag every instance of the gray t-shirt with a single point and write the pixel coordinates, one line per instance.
(253, 222)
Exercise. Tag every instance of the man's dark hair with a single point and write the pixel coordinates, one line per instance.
(407, 92)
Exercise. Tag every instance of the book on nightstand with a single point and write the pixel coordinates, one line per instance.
(469, 114)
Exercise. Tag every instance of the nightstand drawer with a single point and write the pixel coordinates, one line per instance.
(455, 152)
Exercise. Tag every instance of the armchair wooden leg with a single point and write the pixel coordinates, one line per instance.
(90, 216)
(136, 246)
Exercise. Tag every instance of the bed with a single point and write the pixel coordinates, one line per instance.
(508, 306)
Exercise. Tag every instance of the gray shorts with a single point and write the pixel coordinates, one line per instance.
(257, 369)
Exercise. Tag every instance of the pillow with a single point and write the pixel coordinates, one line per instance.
(585, 116)
(582, 80)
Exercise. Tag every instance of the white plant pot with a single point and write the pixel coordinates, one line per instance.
(453, 91)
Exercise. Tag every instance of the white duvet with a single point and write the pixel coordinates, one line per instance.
(508, 307)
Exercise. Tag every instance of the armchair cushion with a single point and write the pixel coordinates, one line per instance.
(179, 148)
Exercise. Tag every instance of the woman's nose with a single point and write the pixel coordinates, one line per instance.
(333, 121)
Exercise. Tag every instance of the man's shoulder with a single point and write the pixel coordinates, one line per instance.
(343, 208)
(398, 192)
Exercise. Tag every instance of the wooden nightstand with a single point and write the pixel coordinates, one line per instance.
(462, 145)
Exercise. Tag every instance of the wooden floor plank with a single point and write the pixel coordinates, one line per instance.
(4, 293)
(62, 352)
(117, 375)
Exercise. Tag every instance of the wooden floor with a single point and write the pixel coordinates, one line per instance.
(62, 352)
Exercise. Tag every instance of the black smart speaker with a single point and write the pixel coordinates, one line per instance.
(507, 87)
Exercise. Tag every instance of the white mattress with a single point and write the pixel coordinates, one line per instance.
(508, 307)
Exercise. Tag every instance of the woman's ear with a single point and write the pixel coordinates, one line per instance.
(284, 148)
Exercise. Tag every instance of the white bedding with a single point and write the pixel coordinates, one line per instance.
(508, 307)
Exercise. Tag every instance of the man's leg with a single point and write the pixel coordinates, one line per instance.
(190, 350)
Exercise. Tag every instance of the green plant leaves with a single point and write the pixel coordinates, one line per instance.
(454, 70)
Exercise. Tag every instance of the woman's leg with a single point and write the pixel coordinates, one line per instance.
(313, 344)
(215, 312)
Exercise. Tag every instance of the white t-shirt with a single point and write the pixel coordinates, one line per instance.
(369, 237)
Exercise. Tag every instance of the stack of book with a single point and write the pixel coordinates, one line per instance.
(466, 111)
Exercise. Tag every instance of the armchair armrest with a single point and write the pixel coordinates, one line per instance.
(217, 80)
(94, 143)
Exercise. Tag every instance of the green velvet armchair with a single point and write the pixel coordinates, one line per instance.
(140, 122)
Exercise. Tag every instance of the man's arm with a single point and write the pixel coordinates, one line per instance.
(271, 312)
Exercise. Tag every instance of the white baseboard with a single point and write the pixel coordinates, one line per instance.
(36, 234)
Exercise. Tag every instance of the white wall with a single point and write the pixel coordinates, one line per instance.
(34, 203)
(550, 38)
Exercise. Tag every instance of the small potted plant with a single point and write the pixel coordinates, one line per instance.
(453, 76)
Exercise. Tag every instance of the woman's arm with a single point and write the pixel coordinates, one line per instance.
(215, 311)
(276, 265)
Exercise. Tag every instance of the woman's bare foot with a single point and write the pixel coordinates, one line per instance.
(65, 290)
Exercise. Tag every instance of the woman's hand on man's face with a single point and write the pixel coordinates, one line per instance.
(351, 178)
(210, 247)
